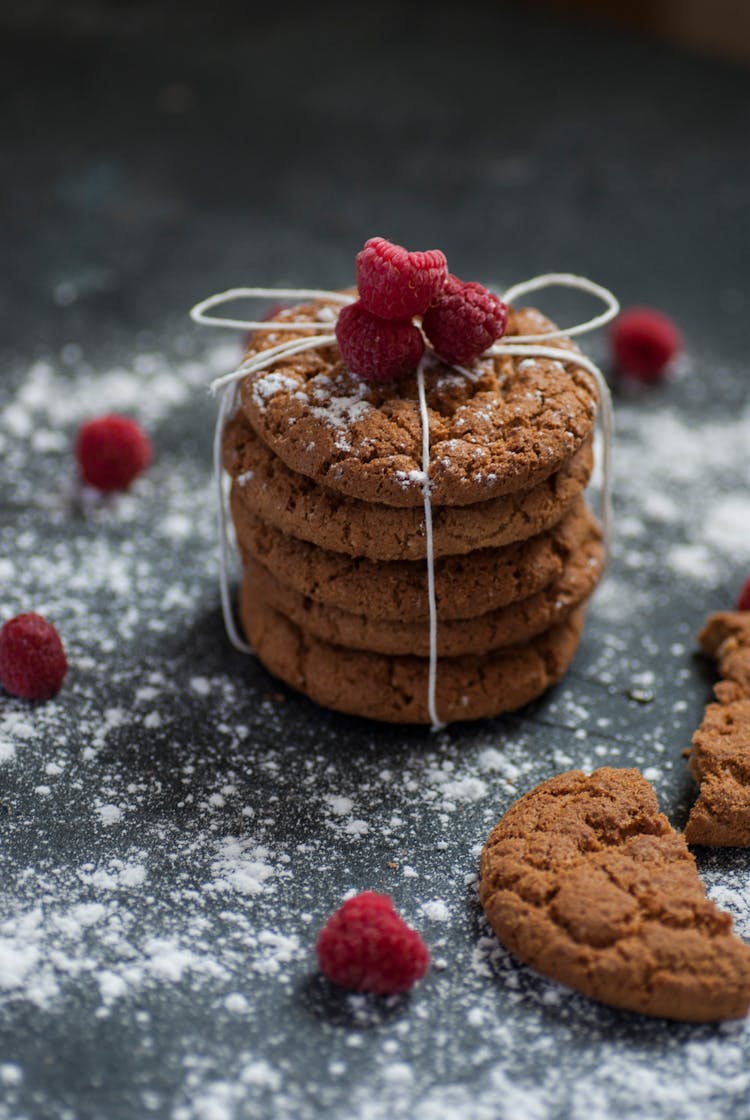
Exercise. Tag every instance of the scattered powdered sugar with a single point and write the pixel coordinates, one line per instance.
(176, 826)
(436, 911)
(691, 476)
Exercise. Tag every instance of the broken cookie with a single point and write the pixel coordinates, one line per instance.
(720, 755)
(587, 882)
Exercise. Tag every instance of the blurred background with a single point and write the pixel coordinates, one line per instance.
(152, 151)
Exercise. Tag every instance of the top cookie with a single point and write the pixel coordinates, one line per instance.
(507, 427)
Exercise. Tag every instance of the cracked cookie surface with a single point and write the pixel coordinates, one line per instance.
(507, 427)
(587, 882)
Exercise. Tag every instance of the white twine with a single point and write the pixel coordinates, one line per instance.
(565, 280)
(424, 418)
(267, 358)
(526, 346)
(607, 416)
(198, 313)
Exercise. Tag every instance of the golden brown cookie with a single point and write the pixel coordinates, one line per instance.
(394, 689)
(584, 880)
(506, 428)
(397, 589)
(298, 506)
(506, 626)
(720, 755)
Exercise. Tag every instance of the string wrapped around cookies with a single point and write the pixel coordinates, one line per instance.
(522, 418)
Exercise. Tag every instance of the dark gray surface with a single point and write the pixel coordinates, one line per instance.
(147, 161)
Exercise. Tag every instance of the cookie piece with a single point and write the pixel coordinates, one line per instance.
(720, 755)
(397, 589)
(301, 508)
(587, 882)
(726, 638)
(508, 426)
(394, 689)
(506, 626)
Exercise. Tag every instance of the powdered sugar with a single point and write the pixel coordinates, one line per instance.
(177, 826)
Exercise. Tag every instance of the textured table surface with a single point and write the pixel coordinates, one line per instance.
(176, 826)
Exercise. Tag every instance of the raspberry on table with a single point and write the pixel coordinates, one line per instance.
(32, 658)
(112, 451)
(377, 349)
(465, 319)
(644, 341)
(394, 283)
(743, 600)
(366, 947)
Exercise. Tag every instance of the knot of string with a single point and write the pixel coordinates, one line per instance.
(318, 333)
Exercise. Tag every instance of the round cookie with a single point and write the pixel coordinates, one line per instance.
(394, 689)
(586, 881)
(506, 626)
(297, 505)
(465, 585)
(508, 426)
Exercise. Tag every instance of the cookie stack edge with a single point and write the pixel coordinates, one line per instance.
(334, 598)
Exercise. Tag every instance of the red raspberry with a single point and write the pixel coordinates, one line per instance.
(366, 947)
(743, 602)
(112, 451)
(464, 321)
(644, 342)
(32, 658)
(396, 284)
(377, 349)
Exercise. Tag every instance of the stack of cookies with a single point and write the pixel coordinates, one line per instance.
(327, 500)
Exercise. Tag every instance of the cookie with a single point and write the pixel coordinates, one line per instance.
(506, 626)
(720, 754)
(297, 505)
(394, 689)
(507, 427)
(726, 638)
(720, 763)
(397, 589)
(584, 880)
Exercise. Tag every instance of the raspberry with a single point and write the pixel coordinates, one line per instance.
(396, 284)
(366, 947)
(377, 349)
(464, 321)
(32, 658)
(644, 342)
(112, 451)
(743, 602)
